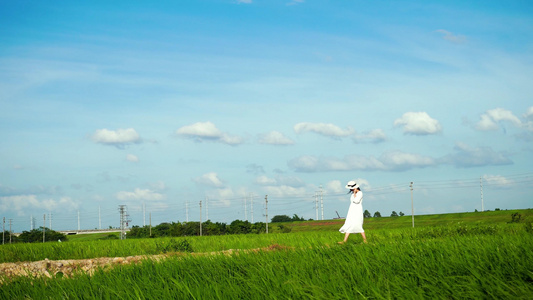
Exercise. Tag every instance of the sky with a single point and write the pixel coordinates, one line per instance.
(196, 110)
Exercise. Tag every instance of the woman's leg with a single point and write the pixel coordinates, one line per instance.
(364, 236)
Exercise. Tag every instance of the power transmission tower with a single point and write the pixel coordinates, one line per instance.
(123, 220)
(50, 220)
(266, 211)
(78, 220)
(3, 230)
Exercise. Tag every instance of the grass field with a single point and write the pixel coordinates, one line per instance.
(467, 256)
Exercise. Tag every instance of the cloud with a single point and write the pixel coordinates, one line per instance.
(467, 157)
(457, 39)
(244, 1)
(373, 136)
(140, 194)
(255, 169)
(209, 179)
(132, 158)
(389, 161)
(492, 119)
(280, 181)
(497, 180)
(275, 138)
(207, 131)
(328, 130)
(118, 138)
(418, 123)
(24, 203)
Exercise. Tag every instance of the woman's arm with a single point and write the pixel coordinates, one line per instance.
(358, 197)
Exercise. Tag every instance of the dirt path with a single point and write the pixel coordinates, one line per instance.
(67, 268)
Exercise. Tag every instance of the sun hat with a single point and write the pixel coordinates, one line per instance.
(351, 185)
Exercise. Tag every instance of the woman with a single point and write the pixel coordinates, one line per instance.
(354, 219)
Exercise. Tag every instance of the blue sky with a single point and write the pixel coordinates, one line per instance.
(161, 105)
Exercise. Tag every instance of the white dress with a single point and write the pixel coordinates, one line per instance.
(354, 219)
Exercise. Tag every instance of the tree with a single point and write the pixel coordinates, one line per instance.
(367, 214)
(36, 235)
(377, 214)
(394, 214)
(296, 218)
(281, 218)
(402, 214)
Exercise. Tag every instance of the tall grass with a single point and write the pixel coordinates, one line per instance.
(472, 266)
(308, 239)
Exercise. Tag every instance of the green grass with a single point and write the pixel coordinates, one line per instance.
(467, 256)
(495, 265)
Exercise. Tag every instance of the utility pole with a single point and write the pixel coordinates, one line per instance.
(200, 218)
(481, 185)
(316, 205)
(10, 231)
(150, 224)
(412, 205)
(44, 226)
(322, 202)
(266, 210)
(99, 218)
(4, 230)
(252, 206)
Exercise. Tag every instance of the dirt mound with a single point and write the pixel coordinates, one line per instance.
(67, 268)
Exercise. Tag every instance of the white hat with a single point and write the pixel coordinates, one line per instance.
(351, 185)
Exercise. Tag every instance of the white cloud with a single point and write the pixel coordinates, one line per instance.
(457, 39)
(497, 180)
(418, 123)
(132, 158)
(23, 203)
(118, 138)
(492, 119)
(264, 180)
(207, 131)
(372, 136)
(140, 194)
(275, 138)
(466, 156)
(328, 130)
(528, 124)
(280, 181)
(389, 161)
(209, 179)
